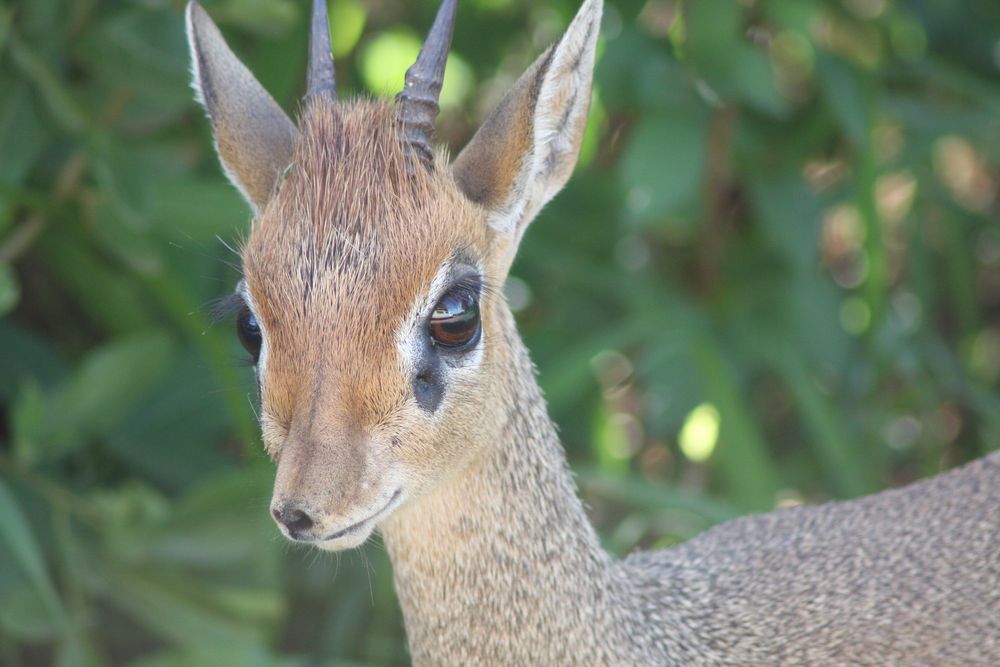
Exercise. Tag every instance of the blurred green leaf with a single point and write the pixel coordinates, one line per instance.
(9, 290)
(221, 656)
(22, 137)
(741, 456)
(844, 92)
(59, 101)
(163, 438)
(221, 524)
(76, 651)
(733, 69)
(29, 412)
(638, 493)
(180, 609)
(99, 290)
(6, 15)
(25, 617)
(635, 73)
(16, 537)
(658, 187)
(94, 400)
(198, 211)
(25, 357)
(265, 17)
(141, 50)
(845, 462)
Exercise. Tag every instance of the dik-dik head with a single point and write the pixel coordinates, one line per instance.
(370, 299)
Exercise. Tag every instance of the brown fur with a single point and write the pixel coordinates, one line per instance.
(494, 559)
(348, 241)
(333, 266)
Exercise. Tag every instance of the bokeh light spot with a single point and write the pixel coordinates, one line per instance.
(386, 58)
(700, 433)
(347, 22)
(855, 315)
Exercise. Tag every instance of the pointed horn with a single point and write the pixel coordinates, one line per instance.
(417, 104)
(321, 79)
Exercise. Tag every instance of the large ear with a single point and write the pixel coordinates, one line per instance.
(253, 136)
(526, 150)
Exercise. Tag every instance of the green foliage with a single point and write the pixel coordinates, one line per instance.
(786, 213)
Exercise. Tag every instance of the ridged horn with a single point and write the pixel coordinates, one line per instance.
(417, 104)
(321, 79)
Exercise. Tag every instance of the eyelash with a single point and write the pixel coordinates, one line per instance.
(225, 306)
(471, 283)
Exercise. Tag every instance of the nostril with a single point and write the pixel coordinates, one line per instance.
(297, 521)
(294, 519)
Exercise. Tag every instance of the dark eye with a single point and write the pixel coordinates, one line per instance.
(248, 332)
(455, 320)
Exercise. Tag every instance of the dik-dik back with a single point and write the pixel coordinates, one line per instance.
(905, 577)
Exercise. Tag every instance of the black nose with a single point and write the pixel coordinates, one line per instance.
(294, 518)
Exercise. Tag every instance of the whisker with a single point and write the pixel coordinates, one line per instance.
(368, 572)
(227, 246)
(253, 408)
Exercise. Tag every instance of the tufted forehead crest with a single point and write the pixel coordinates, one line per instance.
(348, 168)
(349, 211)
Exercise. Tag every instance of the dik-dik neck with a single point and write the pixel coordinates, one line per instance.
(501, 565)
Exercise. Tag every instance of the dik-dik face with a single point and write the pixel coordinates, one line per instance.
(370, 303)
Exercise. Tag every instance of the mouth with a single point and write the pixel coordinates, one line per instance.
(365, 523)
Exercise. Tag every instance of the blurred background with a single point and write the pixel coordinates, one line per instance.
(774, 278)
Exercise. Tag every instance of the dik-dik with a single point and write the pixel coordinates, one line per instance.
(397, 395)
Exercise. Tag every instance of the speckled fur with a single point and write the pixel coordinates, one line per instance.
(501, 567)
(495, 561)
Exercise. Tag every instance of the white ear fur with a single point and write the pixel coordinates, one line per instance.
(254, 138)
(525, 151)
(559, 121)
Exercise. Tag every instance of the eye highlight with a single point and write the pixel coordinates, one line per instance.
(454, 323)
(248, 331)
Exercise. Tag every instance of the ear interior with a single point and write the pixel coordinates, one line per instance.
(488, 168)
(526, 149)
(253, 136)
